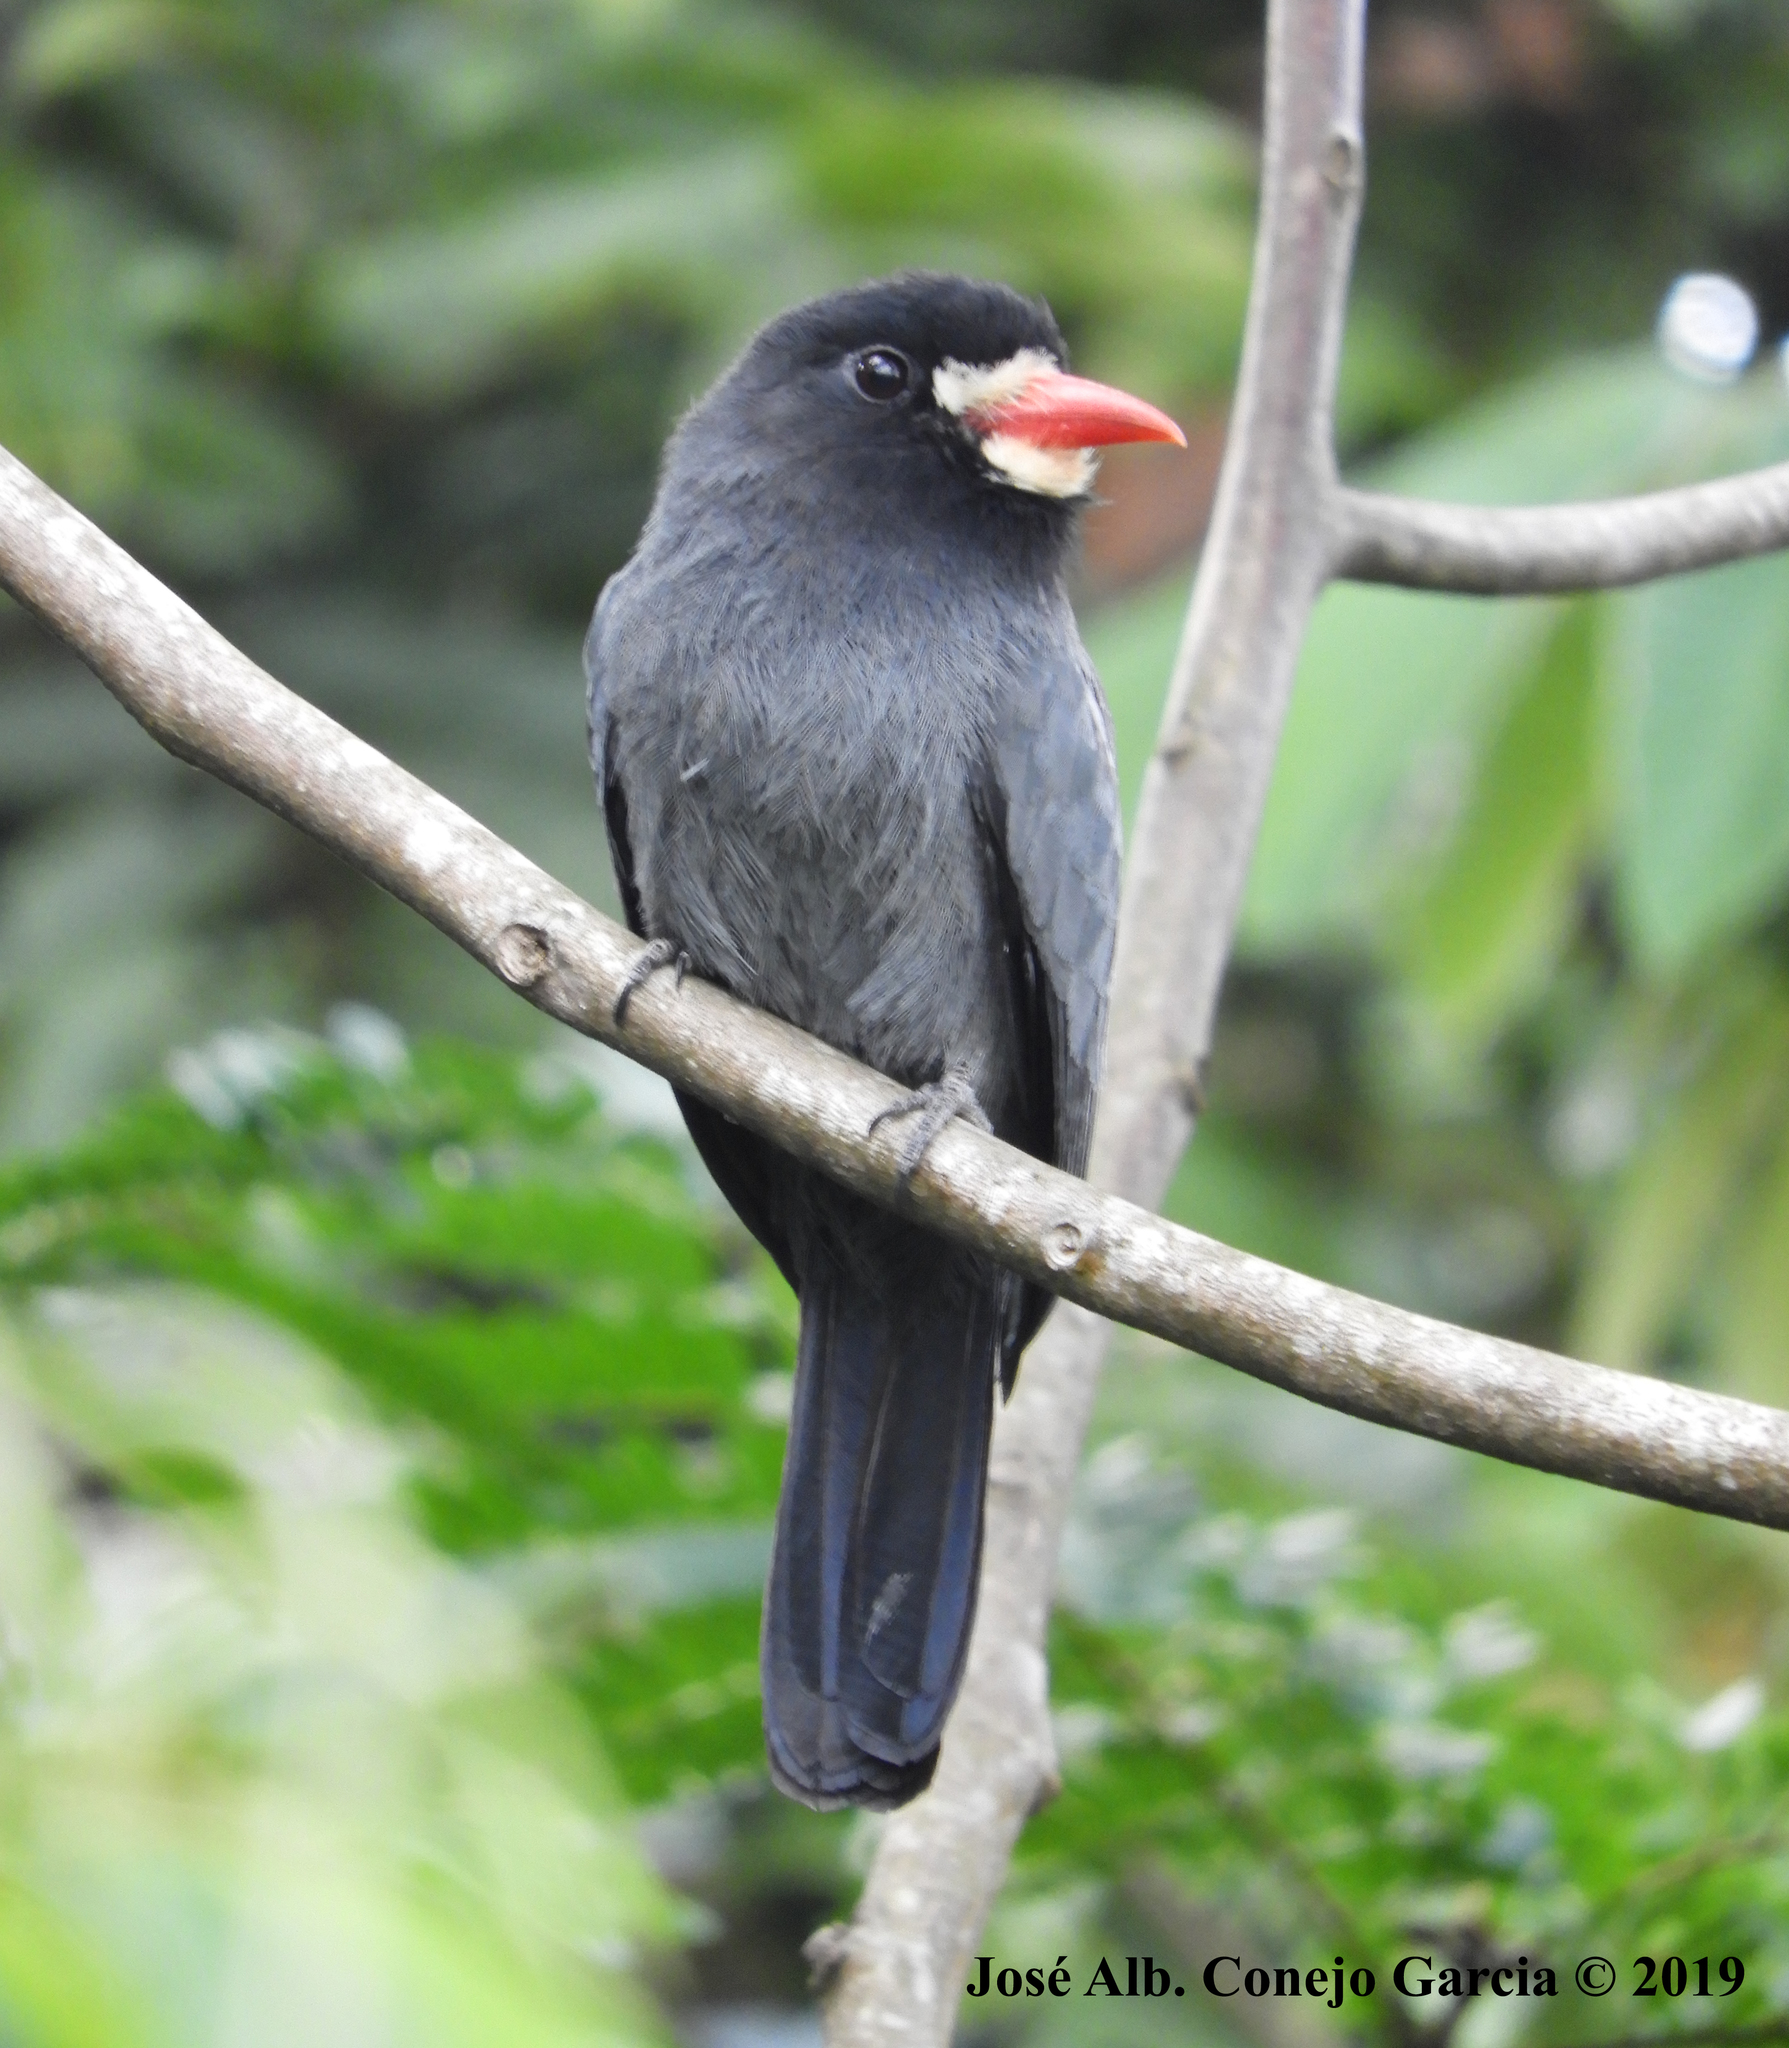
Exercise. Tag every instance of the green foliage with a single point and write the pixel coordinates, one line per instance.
(1704, 828)
(384, 1429)
(1341, 1776)
(433, 202)
(1399, 695)
(389, 1438)
(470, 1241)
(369, 323)
(1535, 180)
(587, 1360)
(201, 471)
(1293, 1734)
(274, 1766)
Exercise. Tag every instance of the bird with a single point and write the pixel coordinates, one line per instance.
(856, 768)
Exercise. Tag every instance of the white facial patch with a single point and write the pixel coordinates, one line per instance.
(964, 389)
(1050, 472)
(971, 387)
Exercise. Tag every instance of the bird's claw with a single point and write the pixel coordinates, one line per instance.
(938, 1103)
(660, 953)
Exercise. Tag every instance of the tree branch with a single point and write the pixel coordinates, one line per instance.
(1533, 550)
(208, 703)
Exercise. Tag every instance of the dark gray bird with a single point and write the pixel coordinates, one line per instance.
(857, 769)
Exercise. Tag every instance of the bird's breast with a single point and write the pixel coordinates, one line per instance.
(811, 838)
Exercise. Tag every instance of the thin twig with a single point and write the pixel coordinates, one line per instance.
(1531, 550)
(1693, 1862)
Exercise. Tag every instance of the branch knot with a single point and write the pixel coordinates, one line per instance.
(1065, 1245)
(1343, 162)
(825, 1952)
(524, 954)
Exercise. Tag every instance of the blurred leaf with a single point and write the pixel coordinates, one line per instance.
(1703, 734)
(59, 736)
(1711, 1139)
(1744, 156)
(1133, 643)
(1587, 427)
(57, 1984)
(63, 48)
(1400, 692)
(1234, 1191)
(469, 1239)
(1396, 691)
(1126, 210)
(104, 952)
(1291, 1727)
(1750, 1309)
(1488, 925)
(285, 1768)
(433, 311)
(1392, 376)
(226, 486)
(207, 475)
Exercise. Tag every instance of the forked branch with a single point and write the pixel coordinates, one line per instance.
(1281, 527)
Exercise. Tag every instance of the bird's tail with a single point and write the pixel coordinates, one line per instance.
(878, 1539)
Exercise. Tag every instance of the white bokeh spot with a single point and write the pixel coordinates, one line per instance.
(1708, 327)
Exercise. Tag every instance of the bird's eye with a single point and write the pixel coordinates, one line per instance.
(881, 373)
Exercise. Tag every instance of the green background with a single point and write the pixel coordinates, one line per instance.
(389, 1413)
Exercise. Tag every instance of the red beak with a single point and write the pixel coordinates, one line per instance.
(1056, 410)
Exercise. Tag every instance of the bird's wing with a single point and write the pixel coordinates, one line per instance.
(1058, 837)
(745, 1169)
(1056, 841)
(603, 767)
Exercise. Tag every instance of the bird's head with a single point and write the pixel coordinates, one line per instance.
(923, 390)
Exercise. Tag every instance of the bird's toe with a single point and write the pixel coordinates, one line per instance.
(932, 1107)
(659, 953)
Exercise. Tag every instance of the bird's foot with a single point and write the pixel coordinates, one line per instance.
(938, 1103)
(660, 953)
